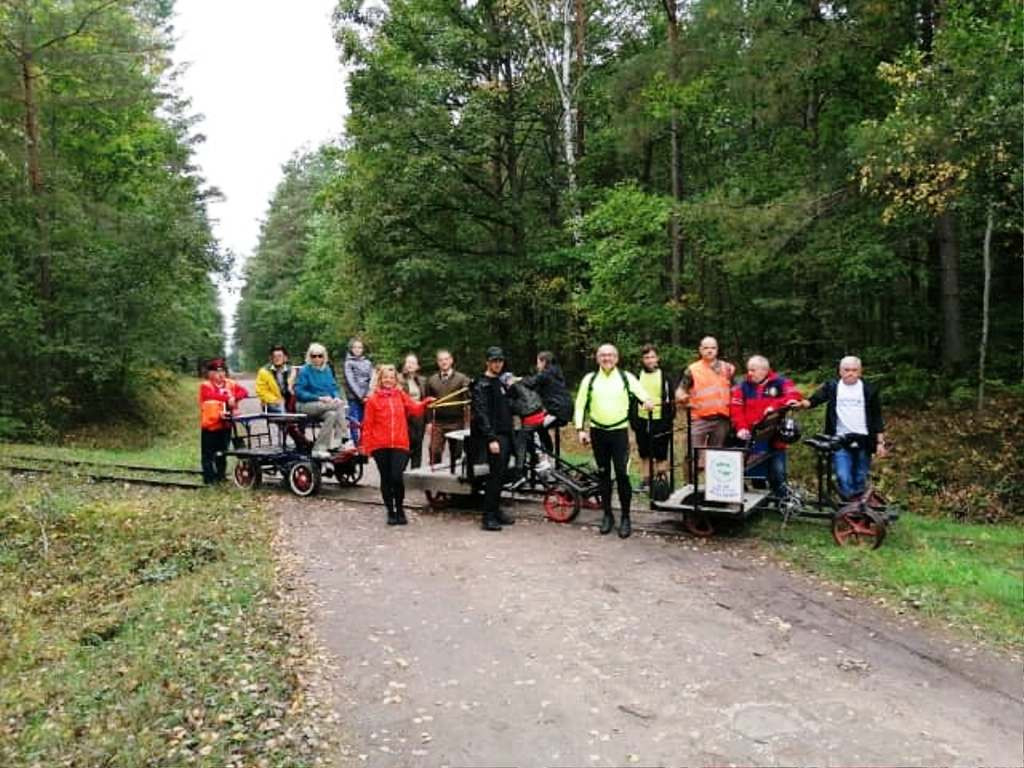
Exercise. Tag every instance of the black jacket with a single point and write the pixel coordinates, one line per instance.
(826, 393)
(550, 385)
(491, 413)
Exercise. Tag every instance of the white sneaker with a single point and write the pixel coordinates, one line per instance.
(321, 454)
(543, 466)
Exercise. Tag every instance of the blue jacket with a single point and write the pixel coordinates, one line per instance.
(313, 383)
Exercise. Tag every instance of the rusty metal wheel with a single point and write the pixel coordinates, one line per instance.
(858, 527)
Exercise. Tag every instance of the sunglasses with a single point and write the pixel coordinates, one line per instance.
(313, 355)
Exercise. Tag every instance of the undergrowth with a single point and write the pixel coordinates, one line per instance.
(146, 627)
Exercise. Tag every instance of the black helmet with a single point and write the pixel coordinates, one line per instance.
(789, 430)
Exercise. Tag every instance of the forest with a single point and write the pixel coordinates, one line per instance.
(800, 179)
(803, 179)
(106, 248)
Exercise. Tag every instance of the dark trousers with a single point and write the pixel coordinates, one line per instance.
(611, 446)
(652, 436)
(496, 465)
(355, 413)
(211, 442)
(544, 436)
(771, 464)
(391, 464)
(415, 442)
(437, 442)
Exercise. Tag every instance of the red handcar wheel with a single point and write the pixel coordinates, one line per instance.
(303, 478)
(561, 505)
(438, 500)
(247, 474)
(855, 528)
(698, 524)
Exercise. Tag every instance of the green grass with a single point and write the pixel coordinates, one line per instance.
(143, 627)
(165, 433)
(969, 577)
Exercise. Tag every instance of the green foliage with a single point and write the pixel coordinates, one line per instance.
(444, 219)
(104, 238)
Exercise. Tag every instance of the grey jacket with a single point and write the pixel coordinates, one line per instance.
(358, 374)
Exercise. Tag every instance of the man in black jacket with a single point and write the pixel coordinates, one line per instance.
(492, 427)
(853, 412)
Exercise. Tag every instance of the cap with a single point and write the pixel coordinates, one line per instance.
(495, 353)
(216, 363)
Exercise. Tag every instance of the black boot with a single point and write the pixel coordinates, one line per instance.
(625, 526)
(607, 523)
(392, 516)
(505, 518)
(400, 518)
(490, 523)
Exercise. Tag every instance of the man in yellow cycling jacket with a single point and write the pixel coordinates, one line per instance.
(602, 420)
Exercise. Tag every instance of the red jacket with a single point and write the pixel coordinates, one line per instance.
(213, 402)
(750, 401)
(385, 417)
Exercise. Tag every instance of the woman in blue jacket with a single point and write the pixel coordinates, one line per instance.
(317, 394)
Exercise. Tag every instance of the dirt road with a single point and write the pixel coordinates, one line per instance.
(547, 645)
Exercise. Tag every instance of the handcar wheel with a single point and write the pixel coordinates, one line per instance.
(561, 505)
(303, 478)
(698, 524)
(350, 474)
(247, 474)
(438, 500)
(857, 527)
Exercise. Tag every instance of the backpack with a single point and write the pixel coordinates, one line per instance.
(631, 411)
(522, 400)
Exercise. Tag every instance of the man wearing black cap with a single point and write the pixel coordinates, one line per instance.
(492, 427)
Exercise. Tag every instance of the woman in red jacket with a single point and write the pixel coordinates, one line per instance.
(386, 436)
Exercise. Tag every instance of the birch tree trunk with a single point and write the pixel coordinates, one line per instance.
(560, 66)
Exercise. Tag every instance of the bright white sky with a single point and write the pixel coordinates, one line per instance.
(266, 77)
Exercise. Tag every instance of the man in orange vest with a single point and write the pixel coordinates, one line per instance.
(218, 396)
(704, 388)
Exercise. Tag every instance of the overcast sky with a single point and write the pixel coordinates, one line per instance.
(265, 76)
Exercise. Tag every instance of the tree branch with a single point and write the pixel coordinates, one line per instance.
(80, 28)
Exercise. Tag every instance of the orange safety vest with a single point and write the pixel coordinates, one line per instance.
(212, 412)
(709, 396)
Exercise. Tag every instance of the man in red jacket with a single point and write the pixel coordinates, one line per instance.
(762, 392)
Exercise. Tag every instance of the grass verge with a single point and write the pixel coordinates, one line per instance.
(968, 577)
(164, 433)
(145, 627)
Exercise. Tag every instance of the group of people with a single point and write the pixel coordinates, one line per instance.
(387, 409)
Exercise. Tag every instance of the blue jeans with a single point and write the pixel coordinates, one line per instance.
(773, 467)
(355, 413)
(851, 467)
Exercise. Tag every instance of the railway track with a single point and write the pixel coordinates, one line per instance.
(168, 477)
(98, 471)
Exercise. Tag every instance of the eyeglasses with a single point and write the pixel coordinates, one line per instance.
(315, 355)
